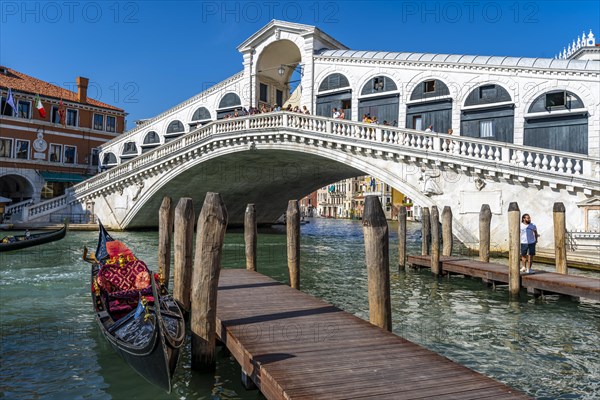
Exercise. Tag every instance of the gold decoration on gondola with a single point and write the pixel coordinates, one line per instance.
(96, 286)
(147, 311)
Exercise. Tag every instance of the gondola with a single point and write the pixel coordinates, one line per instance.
(17, 242)
(135, 312)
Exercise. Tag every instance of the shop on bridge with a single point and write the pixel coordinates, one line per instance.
(430, 104)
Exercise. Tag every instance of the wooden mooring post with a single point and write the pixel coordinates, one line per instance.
(447, 237)
(292, 222)
(377, 257)
(514, 249)
(250, 236)
(183, 238)
(165, 233)
(425, 231)
(560, 243)
(436, 268)
(212, 224)
(485, 219)
(402, 238)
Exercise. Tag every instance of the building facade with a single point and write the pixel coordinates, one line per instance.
(50, 139)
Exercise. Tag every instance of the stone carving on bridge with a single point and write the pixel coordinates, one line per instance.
(138, 190)
(428, 185)
(479, 183)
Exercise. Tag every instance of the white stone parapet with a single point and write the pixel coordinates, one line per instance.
(526, 163)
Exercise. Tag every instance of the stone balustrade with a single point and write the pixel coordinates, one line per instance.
(483, 152)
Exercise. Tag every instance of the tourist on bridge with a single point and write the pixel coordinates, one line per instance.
(335, 113)
(529, 238)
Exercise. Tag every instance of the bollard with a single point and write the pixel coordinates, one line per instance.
(560, 243)
(514, 249)
(447, 238)
(292, 221)
(402, 238)
(250, 236)
(485, 219)
(377, 258)
(435, 241)
(425, 231)
(183, 238)
(212, 224)
(165, 233)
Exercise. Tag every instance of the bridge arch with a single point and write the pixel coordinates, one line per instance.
(150, 141)
(276, 67)
(488, 113)
(228, 104)
(128, 150)
(380, 96)
(109, 159)
(174, 129)
(201, 114)
(17, 186)
(334, 91)
(429, 102)
(562, 125)
(248, 173)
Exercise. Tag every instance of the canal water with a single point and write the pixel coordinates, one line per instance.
(51, 347)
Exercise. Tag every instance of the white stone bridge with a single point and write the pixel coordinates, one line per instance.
(268, 159)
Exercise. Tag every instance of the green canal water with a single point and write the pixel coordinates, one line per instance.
(51, 348)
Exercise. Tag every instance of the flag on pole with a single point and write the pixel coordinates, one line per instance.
(11, 101)
(39, 106)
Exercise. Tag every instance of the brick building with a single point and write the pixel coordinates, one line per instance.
(43, 152)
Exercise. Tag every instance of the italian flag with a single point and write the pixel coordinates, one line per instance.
(39, 106)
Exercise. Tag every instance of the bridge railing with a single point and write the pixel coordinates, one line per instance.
(440, 144)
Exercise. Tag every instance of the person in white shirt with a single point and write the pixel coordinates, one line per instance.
(529, 237)
(335, 113)
(429, 129)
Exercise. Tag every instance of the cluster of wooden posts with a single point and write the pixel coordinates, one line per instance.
(196, 276)
(431, 238)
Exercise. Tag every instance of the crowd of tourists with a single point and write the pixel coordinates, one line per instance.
(266, 109)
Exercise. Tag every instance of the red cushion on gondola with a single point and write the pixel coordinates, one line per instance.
(113, 278)
(114, 248)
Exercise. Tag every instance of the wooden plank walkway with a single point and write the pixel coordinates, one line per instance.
(295, 346)
(572, 285)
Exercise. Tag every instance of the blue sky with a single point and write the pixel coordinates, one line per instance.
(147, 56)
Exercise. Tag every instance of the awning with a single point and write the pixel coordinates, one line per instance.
(62, 177)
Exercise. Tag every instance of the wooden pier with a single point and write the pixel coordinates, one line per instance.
(538, 282)
(294, 346)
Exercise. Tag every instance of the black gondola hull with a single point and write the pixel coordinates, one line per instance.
(150, 345)
(34, 240)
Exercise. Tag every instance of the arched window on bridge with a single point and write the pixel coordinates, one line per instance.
(109, 160)
(488, 113)
(380, 98)
(129, 151)
(557, 120)
(151, 140)
(174, 130)
(430, 104)
(228, 104)
(334, 92)
(201, 116)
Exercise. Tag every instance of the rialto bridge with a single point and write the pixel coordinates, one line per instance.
(525, 130)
